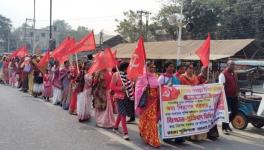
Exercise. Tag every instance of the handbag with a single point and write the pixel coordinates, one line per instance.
(143, 100)
(27, 68)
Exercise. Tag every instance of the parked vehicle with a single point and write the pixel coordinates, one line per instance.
(251, 101)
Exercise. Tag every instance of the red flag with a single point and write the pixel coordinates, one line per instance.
(137, 61)
(21, 52)
(63, 59)
(102, 61)
(86, 44)
(14, 53)
(204, 51)
(63, 50)
(44, 60)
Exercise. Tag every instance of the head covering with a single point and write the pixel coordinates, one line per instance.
(27, 59)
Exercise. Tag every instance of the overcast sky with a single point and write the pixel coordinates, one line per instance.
(94, 14)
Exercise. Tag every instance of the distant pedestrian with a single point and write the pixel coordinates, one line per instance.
(56, 84)
(47, 94)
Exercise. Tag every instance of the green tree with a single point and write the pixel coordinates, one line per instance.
(243, 19)
(224, 19)
(63, 29)
(5, 29)
(129, 27)
(80, 32)
(204, 14)
(161, 20)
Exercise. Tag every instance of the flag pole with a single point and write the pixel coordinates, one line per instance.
(208, 72)
(76, 57)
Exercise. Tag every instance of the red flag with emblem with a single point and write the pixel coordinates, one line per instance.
(103, 60)
(204, 51)
(137, 61)
(87, 43)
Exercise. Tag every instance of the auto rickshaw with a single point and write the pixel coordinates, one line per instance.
(251, 101)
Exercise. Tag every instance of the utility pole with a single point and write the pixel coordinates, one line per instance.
(25, 31)
(101, 39)
(34, 25)
(30, 35)
(8, 40)
(180, 35)
(50, 19)
(52, 42)
(147, 18)
(141, 13)
(25, 34)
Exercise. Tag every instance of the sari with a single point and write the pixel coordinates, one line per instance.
(104, 114)
(5, 72)
(84, 100)
(185, 80)
(56, 86)
(30, 83)
(75, 89)
(148, 115)
(66, 88)
(47, 85)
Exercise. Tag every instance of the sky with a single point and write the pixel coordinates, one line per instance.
(93, 14)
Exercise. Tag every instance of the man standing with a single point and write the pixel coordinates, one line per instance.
(229, 79)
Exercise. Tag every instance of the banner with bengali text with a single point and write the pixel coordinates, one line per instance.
(191, 110)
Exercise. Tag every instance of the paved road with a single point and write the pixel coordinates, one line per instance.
(27, 123)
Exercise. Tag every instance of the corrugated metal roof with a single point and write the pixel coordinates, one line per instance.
(250, 62)
(168, 49)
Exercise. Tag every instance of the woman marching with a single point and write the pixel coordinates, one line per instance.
(5, 70)
(77, 84)
(169, 79)
(147, 105)
(38, 87)
(102, 100)
(65, 78)
(213, 133)
(56, 84)
(47, 94)
(189, 78)
(12, 72)
(84, 98)
(123, 92)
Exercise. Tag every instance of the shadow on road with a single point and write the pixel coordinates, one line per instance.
(255, 131)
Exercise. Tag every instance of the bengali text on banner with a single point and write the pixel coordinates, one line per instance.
(191, 110)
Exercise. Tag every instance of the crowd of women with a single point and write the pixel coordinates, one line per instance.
(106, 92)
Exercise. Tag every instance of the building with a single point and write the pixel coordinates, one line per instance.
(41, 36)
